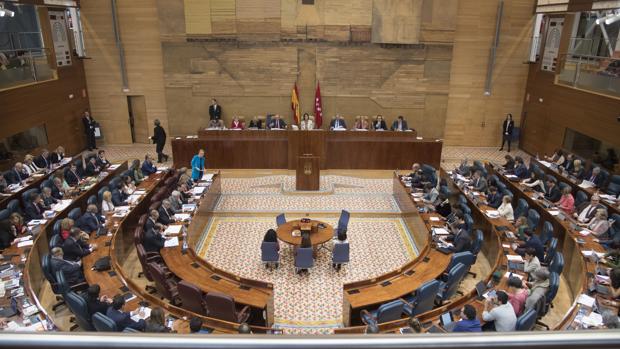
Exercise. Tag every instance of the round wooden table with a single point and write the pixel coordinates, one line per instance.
(318, 235)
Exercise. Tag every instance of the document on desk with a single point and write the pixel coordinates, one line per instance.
(114, 167)
(25, 243)
(586, 185)
(441, 231)
(173, 230)
(182, 216)
(586, 300)
(198, 190)
(188, 207)
(511, 176)
(143, 314)
(37, 222)
(554, 212)
(545, 163)
(61, 205)
(207, 177)
(509, 274)
(121, 211)
(172, 242)
(514, 258)
(435, 219)
(492, 213)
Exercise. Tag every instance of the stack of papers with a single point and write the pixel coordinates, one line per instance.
(509, 274)
(182, 216)
(592, 320)
(143, 314)
(121, 211)
(554, 212)
(515, 258)
(61, 205)
(586, 185)
(207, 177)
(545, 163)
(435, 219)
(441, 231)
(585, 232)
(133, 199)
(173, 242)
(173, 230)
(25, 243)
(593, 253)
(492, 213)
(198, 190)
(586, 300)
(37, 221)
(189, 207)
(114, 167)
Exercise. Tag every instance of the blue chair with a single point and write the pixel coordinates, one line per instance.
(494, 180)
(103, 323)
(48, 183)
(79, 308)
(101, 191)
(478, 165)
(522, 207)
(56, 228)
(92, 200)
(533, 217)
(557, 264)
(466, 258)
(445, 190)
(551, 251)
(526, 321)
(465, 209)
(469, 222)
(343, 221)
(613, 188)
(507, 192)
(75, 213)
(55, 241)
(580, 198)
(423, 299)
(547, 232)
(563, 185)
(448, 288)
(476, 244)
(46, 267)
(280, 219)
(554, 284)
(27, 194)
(340, 255)
(386, 312)
(303, 259)
(462, 199)
(13, 207)
(270, 255)
(4, 214)
(501, 187)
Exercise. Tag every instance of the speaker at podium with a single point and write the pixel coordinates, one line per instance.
(308, 173)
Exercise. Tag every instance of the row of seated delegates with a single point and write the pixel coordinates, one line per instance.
(362, 124)
(566, 160)
(24, 172)
(276, 123)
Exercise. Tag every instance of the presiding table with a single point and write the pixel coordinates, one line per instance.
(318, 235)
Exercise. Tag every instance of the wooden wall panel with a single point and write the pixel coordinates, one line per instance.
(197, 16)
(396, 21)
(472, 118)
(223, 16)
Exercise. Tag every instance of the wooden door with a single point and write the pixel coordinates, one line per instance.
(141, 131)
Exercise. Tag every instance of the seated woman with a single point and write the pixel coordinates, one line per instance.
(505, 209)
(271, 236)
(361, 123)
(306, 122)
(510, 163)
(135, 168)
(599, 225)
(127, 186)
(522, 226)
(236, 124)
(379, 124)
(577, 171)
(535, 183)
(567, 201)
(557, 158)
(10, 229)
(156, 323)
(107, 205)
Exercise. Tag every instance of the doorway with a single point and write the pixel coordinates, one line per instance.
(137, 119)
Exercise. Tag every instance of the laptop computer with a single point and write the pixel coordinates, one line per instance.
(481, 288)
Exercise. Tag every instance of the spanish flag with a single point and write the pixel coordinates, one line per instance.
(295, 104)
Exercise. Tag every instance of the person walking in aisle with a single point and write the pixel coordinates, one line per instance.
(159, 138)
(198, 165)
(507, 128)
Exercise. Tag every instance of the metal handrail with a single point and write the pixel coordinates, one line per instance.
(30, 57)
(517, 340)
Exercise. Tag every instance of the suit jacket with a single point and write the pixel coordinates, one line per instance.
(7, 233)
(462, 241)
(74, 249)
(256, 123)
(177, 205)
(13, 176)
(597, 180)
(159, 136)
(56, 158)
(238, 125)
(49, 201)
(480, 184)
(72, 178)
(382, 125)
(123, 320)
(535, 243)
(153, 242)
(568, 164)
(338, 122)
(507, 127)
(553, 194)
(282, 124)
(72, 270)
(90, 222)
(495, 200)
(33, 211)
(95, 306)
(42, 162)
(89, 125)
(57, 193)
(102, 163)
(92, 169)
(592, 211)
(521, 171)
(215, 113)
(509, 165)
(152, 327)
(404, 126)
(149, 224)
(117, 198)
(579, 174)
(148, 168)
(165, 216)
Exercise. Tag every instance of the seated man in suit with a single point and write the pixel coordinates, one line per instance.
(595, 177)
(72, 270)
(569, 163)
(277, 123)
(338, 123)
(464, 169)
(58, 192)
(587, 210)
(176, 202)
(379, 124)
(17, 174)
(153, 240)
(531, 241)
(416, 176)
(399, 124)
(48, 199)
(92, 168)
(552, 192)
(494, 198)
(148, 168)
(118, 197)
(121, 318)
(256, 123)
(43, 160)
(74, 247)
(101, 160)
(520, 168)
(166, 214)
(34, 208)
(29, 165)
(72, 176)
(461, 238)
(91, 221)
(479, 183)
(95, 302)
(152, 220)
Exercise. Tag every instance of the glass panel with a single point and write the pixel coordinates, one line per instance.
(21, 143)
(591, 148)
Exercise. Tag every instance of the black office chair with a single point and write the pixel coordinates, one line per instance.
(46, 266)
(79, 308)
(103, 323)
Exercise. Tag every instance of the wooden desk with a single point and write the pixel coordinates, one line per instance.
(255, 149)
(318, 235)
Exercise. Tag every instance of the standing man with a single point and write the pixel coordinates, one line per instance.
(159, 138)
(215, 111)
(198, 165)
(89, 130)
(507, 127)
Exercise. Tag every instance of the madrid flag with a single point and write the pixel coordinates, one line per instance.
(318, 107)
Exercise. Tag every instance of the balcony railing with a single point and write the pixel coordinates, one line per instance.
(591, 73)
(25, 66)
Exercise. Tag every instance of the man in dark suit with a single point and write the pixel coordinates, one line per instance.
(478, 182)
(159, 138)
(89, 130)
(102, 161)
(92, 169)
(118, 198)
(72, 270)
(17, 174)
(90, 221)
(494, 199)
(552, 192)
(337, 123)
(152, 220)
(507, 128)
(461, 239)
(399, 124)
(43, 160)
(587, 210)
(520, 168)
(121, 318)
(72, 176)
(379, 124)
(74, 248)
(153, 240)
(34, 207)
(531, 241)
(166, 214)
(595, 177)
(256, 123)
(95, 302)
(57, 190)
(215, 110)
(277, 123)
(48, 198)
(57, 155)
(147, 166)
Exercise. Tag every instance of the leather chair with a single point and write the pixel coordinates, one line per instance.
(526, 321)
(507, 192)
(92, 200)
(466, 258)
(304, 258)
(27, 194)
(55, 241)
(75, 214)
(192, 298)
(547, 232)
(563, 185)
(343, 221)
(494, 180)
(557, 264)
(340, 254)
(79, 308)
(613, 188)
(64, 287)
(142, 219)
(154, 205)
(551, 251)
(465, 208)
(554, 284)
(221, 306)
(14, 207)
(476, 244)
(101, 191)
(386, 312)
(280, 219)
(166, 287)
(423, 299)
(48, 183)
(103, 323)
(46, 267)
(145, 258)
(449, 288)
(138, 235)
(4, 214)
(533, 217)
(462, 199)
(522, 207)
(501, 187)
(270, 256)
(469, 221)
(580, 198)
(57, 227)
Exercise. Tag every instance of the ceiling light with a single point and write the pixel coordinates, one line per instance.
(4, 12)
(613, 19)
